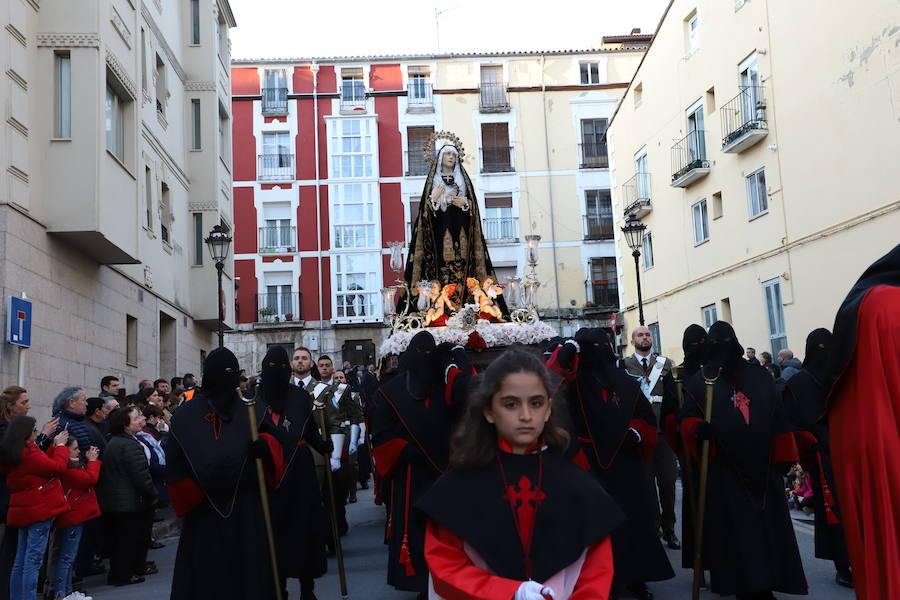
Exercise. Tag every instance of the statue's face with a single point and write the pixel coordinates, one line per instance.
(448, 160)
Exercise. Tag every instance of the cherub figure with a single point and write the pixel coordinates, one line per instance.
(441, 307)
(491, 288)
(486, 305)
(427, 296)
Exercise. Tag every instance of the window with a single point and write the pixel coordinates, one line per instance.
(598, 215)
(131, 341)
(353, 215)
(195, 22)
(493, 91)
(277, 233)
(414, 202)
(647, 250)
(115, 123)
(696, 134)
(276, 161)
(593, 143)
(221, 35)
(161, 92)
(638, 94)
(709, 315)
(496, 153)
(223, 133)
(274, 92)
(352, 147)
(165, 212)
(717, 205)
(642, 181)
(63, 95)
(654, 334)
(701, 222)
(278, 298)
(143, 60)
(198, 239)
(148, 188)
(415, 155)
(693, 33)
(775, 315)
(353, 90)
(356, 284)
(756, 193)
(604, 284)
(196, 142)
(590, 73)
(420, 91)
(499, 222)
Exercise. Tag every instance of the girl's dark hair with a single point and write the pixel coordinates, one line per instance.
(13, 442)
(474, 442)
(144, 395)
(152, 411)
(120, 418)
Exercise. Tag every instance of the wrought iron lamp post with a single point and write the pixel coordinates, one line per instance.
(634, 235)
(218, 243)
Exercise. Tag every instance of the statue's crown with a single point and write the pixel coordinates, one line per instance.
(431, 146)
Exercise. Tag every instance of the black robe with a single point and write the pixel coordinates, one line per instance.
(298, 515)
(749, 544)
(223, 552)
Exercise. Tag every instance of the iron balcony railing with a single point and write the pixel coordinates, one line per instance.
(497, 159)
(603, 294)
(277, 239)
(353, 95)
(501, 229)
(637, 188)
(593, 155)
(415, 163)
(419, 94)
(743, 113)
(278, 307)
(356, 305)
(598, 227)
(494, 96)
(274, 101)
(275, 167)
(689, 153)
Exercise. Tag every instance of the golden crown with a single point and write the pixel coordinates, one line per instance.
(429, 148)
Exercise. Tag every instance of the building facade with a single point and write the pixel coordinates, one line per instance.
(761, 164)
(329, 168)
(116, 163)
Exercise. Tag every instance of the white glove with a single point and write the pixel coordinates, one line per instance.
(532, 590)
(335, 463)
(354, 439)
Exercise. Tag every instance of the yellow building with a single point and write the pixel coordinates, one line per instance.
(758, 143)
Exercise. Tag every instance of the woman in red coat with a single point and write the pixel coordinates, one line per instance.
(78, 481)
(36, 498)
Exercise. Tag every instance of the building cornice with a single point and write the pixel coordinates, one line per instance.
(200, 86)
(68, 40)
(225, 9)
(118, 69)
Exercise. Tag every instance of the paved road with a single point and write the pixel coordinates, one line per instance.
(365, 556)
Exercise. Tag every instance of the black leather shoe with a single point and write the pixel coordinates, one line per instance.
(672, 540)
(640, 591)
(844, 577)
(134, 579)
(154, 545)
(364, 485)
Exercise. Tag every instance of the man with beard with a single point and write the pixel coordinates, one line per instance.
(653, 373)
(748, 539)
(864, 429)
(411, 428)
(615, 425)
(804, 399)
(298, 517)
(223, 552)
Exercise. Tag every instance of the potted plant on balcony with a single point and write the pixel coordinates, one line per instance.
(289, 316)
(266, 312)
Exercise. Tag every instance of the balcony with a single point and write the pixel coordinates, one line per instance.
(419, 96)
(353, 97)
(501, 230)
(415, 163)
(744, 120)
(357, 307)
(636, 193)
(494, 97)
(275, 167)
(274, 101)
(598, 227)
(602, 296)
(278, 307)
(593, 155)
(277, 240)
(497, 159)
(689, 161)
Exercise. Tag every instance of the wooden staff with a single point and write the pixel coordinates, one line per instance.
(319, 408)
(263, 489)
(688, 463)
(701, 491)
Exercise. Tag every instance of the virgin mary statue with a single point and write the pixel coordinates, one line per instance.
(447, 242)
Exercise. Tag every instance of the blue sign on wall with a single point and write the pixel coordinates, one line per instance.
(18, 322)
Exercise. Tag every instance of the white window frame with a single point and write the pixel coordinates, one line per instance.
(592, 71)
(710, 315)
(700, 220)
(196, 125)
(370, 303)
(757, 195)
(368, 148)
(115, 122)
(647, 250)
(194, 23)
(643, 177)
(693, 33)
(343, 227)
(774, 306)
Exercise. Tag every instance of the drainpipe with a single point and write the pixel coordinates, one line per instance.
(314, 67)
(550, 198)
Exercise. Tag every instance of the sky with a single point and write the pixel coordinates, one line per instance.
(303, 28)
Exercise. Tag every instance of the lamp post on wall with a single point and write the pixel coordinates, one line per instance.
(634, 235)
(218, 243)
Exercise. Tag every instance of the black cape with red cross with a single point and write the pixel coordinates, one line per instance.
(570, 512)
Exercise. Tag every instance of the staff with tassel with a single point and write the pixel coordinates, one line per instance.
(701, 491)
(319, 408)
(263, 489)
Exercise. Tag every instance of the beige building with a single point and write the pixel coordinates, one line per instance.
(758, 143)
(116, 163)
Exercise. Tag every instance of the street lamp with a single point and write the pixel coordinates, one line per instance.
(218, 243)
(634, 235)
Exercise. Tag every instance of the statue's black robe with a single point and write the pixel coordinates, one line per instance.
(223, 552)
(748, 538)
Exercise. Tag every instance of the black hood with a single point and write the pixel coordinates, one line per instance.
(694, 345)
(420, 362)
(596, 353)
(276, 377)
(221, 378)
(723, 350)
(818, 349)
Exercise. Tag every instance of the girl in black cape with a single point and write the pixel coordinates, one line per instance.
(513, 518)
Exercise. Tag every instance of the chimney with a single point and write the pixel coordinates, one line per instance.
(636, 31)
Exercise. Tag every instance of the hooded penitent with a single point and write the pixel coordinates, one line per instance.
(276, 374)
(818, 348)
(723, 351)
(694, 346)
(221, 377)
(596, 354)
(420, 364)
